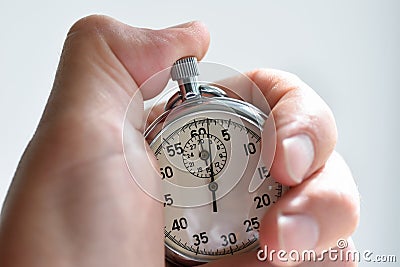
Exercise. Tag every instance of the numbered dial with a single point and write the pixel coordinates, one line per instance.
(202, 151)
(214, 216)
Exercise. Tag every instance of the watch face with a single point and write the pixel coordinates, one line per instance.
(207, 160)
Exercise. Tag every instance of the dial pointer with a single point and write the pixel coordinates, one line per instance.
(213, 186)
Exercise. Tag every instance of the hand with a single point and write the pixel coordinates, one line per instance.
(73, 202)
(322, 206)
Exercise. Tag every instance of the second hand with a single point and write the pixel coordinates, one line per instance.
(213, 186)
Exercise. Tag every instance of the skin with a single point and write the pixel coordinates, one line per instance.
(73, 201)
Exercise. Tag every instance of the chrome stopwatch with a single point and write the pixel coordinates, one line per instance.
(216, 185)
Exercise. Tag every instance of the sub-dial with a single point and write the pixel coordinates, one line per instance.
(200, 152)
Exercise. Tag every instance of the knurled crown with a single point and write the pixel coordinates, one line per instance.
(185, 68)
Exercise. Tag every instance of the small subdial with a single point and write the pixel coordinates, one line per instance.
(200, 152)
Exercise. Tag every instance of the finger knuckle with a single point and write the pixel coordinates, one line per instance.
(343, 207)
(322, 125)
(92, 24)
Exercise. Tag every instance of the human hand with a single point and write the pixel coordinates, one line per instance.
(322, 206)
(73, 201)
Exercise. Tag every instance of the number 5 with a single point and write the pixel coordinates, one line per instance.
(225, 134)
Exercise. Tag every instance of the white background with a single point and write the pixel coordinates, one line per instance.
(348, 51)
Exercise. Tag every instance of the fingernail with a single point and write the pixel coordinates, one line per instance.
(297, 232)
(299, 155)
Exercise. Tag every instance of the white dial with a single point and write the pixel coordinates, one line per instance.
(207, 160)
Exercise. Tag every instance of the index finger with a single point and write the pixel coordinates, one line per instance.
(305, 127)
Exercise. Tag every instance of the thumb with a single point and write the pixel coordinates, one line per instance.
(102, 65)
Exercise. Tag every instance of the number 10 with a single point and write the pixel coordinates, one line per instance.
(249, 148)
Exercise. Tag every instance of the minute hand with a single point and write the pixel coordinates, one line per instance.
(213, 185)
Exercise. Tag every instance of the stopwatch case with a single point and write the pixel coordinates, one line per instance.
(212, 99)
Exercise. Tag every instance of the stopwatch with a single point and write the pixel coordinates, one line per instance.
(216, 185)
